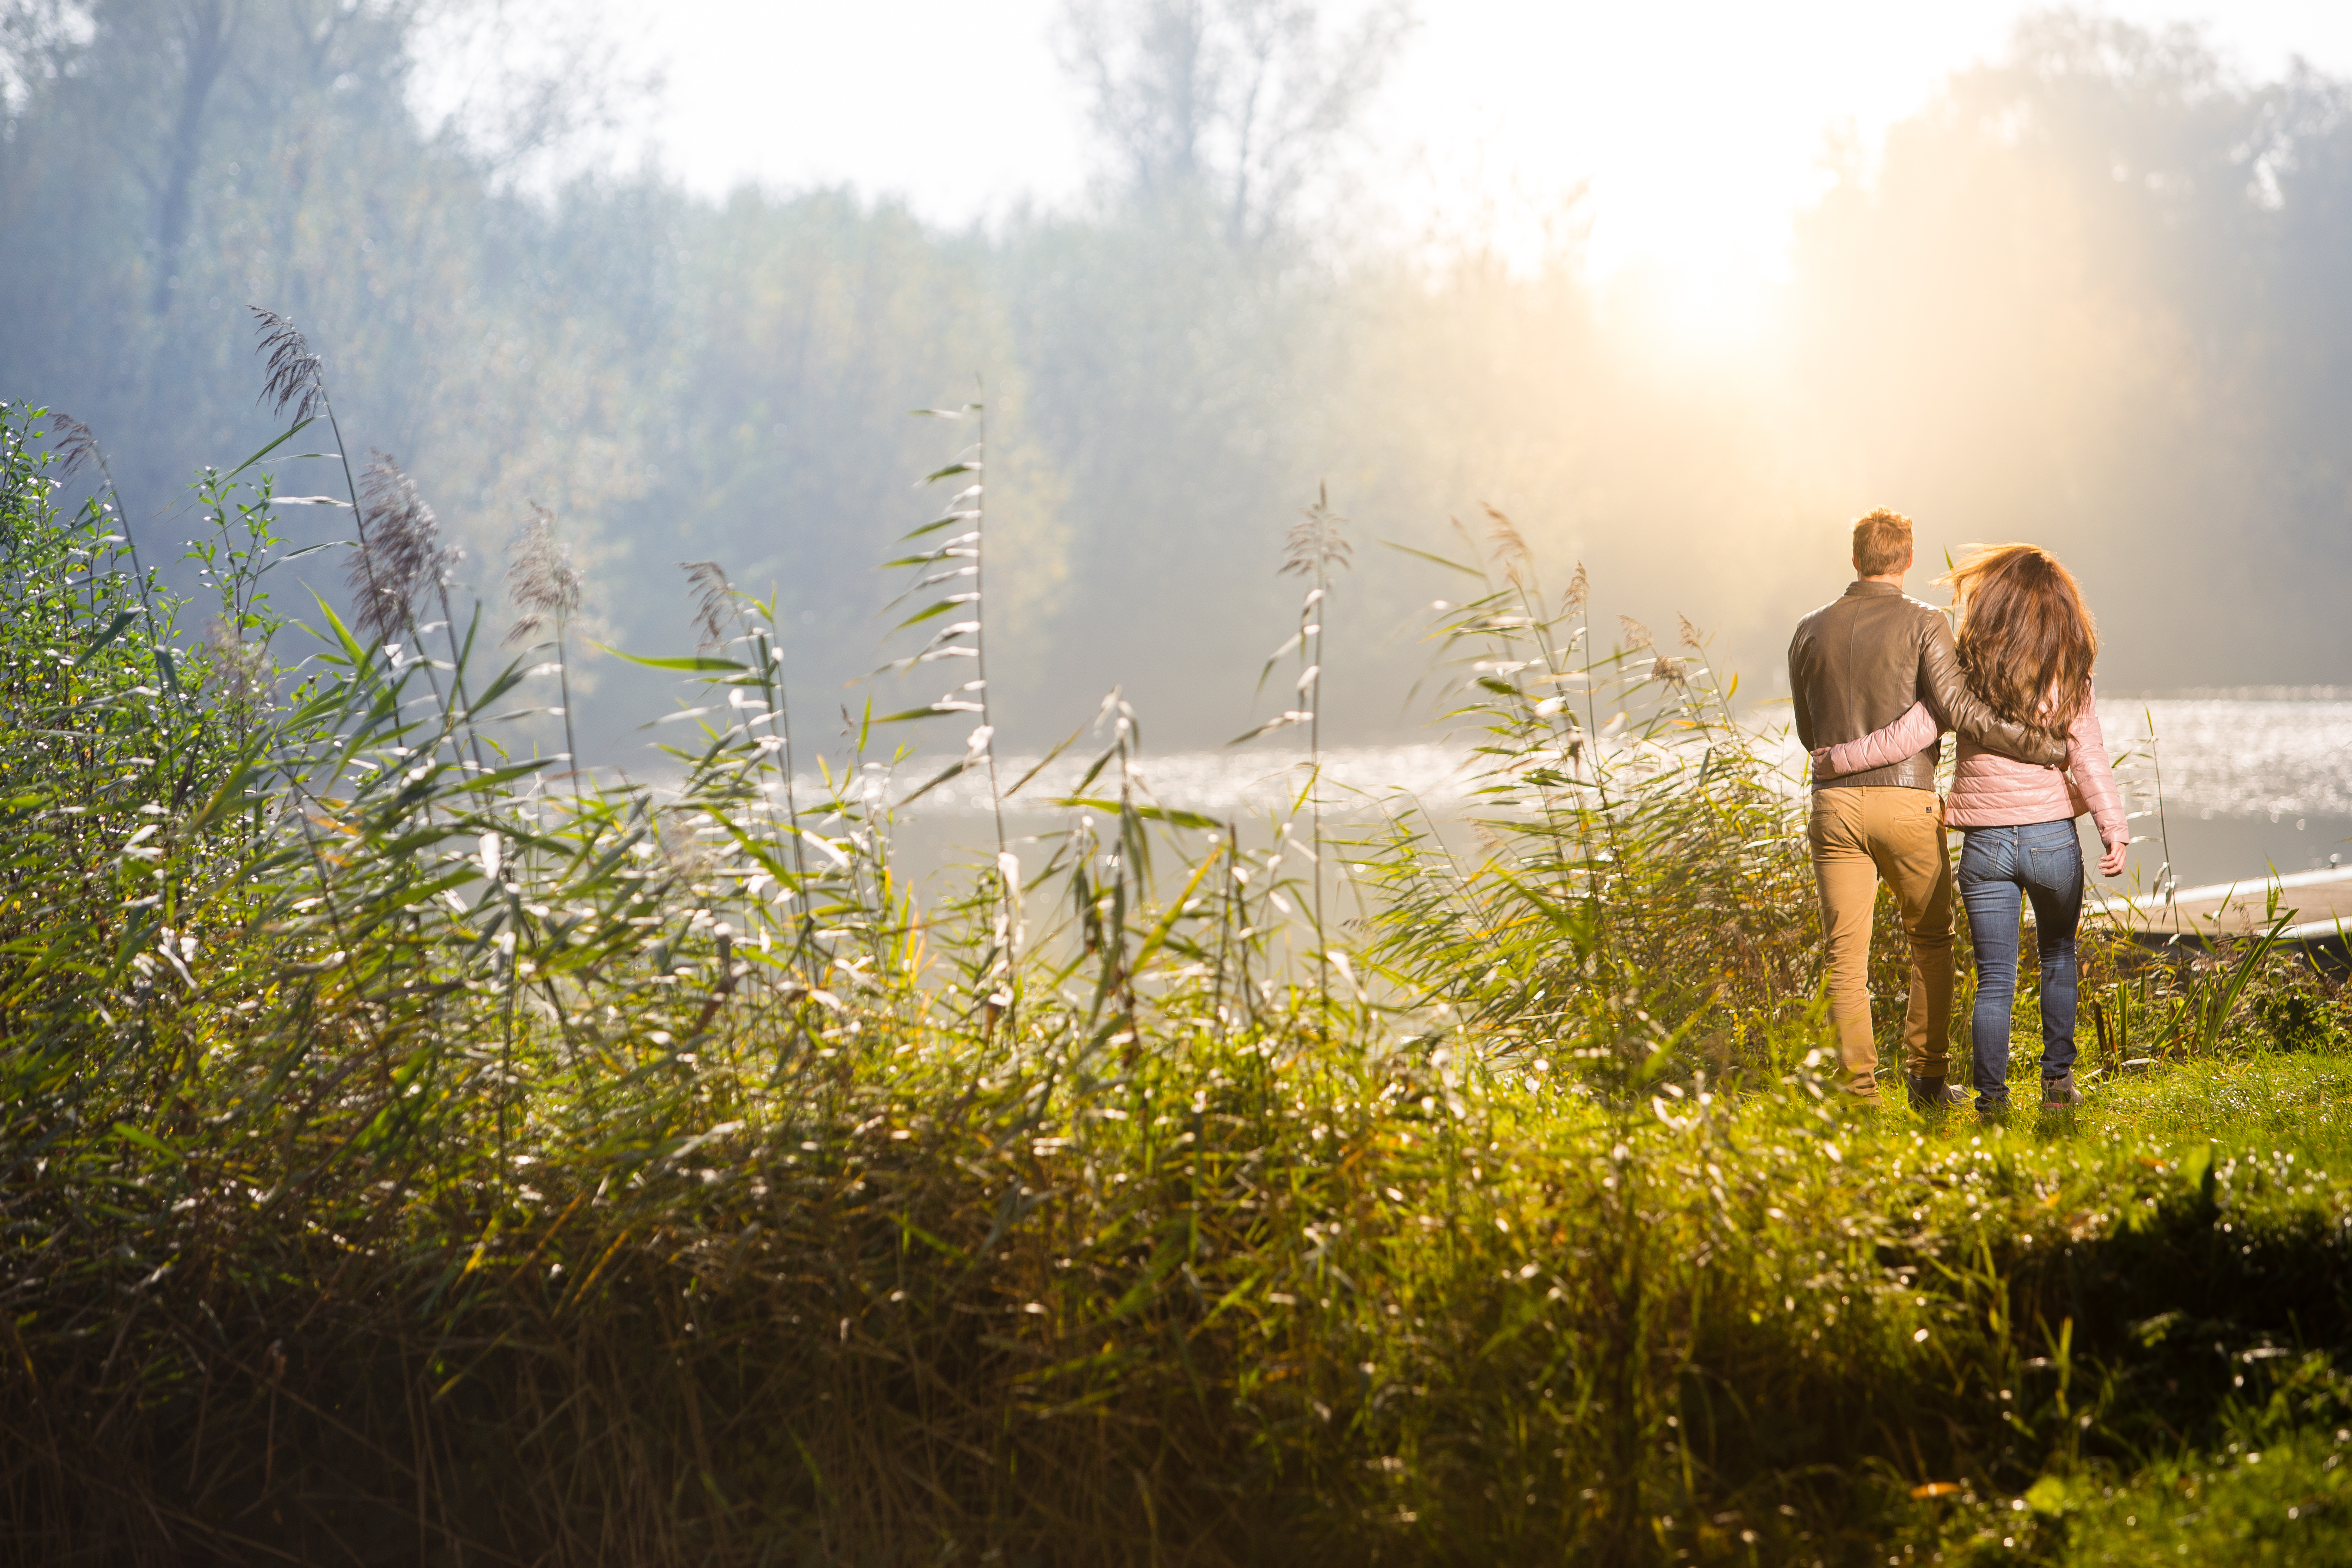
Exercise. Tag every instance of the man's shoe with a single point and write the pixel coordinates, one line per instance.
(1936, 1094)
(2059, 1093)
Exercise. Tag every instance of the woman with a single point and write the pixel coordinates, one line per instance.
(2027, 643)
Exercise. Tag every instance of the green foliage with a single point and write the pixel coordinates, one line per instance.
(407, 1145)
(2283, 1498)
(116, 773)
(1648, 862)
(2141, 1005)
(2300, 1019)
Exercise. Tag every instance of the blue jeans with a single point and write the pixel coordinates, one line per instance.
(1999, 867)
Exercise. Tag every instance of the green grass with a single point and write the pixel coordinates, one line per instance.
(2280, 1499)
(2174, 1252)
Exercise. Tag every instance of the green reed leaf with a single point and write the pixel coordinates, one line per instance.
(146, 1140)
(963, 765)
(950, 521)
(698, 662)
(113, 629)
(1065, 744)
(953, 601)
(1436, 560)
(273, 446)
(1172, 816)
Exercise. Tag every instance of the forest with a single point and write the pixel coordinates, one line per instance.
(2087, 295)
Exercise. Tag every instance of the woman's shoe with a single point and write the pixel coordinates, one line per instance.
(2059, 1093)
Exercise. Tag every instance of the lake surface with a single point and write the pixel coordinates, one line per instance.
(2245, 781)
(2236, 758)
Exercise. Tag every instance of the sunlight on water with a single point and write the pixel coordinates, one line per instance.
(1253, 782)
(2239, 759)
(2220, 758)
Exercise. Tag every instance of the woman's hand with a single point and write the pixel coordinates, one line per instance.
(2111, 864)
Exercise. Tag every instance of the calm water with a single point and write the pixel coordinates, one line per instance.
(2246, 782)
(2224, 758)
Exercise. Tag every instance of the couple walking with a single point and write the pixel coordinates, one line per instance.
(1878, 676)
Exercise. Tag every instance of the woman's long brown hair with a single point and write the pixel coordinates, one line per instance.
(2026, 640)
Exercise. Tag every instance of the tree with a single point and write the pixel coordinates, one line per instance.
(1236, 104)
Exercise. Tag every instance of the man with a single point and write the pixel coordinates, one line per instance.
(1855, 665)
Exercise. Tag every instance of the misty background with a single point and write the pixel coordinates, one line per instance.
(2092, 292)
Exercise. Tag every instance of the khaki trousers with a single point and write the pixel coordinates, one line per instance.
(1858, 835)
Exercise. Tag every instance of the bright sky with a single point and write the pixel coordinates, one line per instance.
(1700, 125)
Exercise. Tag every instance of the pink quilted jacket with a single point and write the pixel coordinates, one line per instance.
(1989, 790)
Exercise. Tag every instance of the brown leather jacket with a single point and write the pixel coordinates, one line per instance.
(1860, 661)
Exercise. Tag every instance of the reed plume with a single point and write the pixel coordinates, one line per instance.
(1315, 543)
(77, 445)
(547, 587)
(541, 579)
(1510, 545)
(714, 601)
(293, 380)
(399, 553)
(1578, 593)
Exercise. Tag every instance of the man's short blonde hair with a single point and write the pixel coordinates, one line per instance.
(1882, 543)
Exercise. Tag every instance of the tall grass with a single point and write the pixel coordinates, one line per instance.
(406, 1160)
(1315, 546)
(956, 569)
(546, 588)
(1652, 857)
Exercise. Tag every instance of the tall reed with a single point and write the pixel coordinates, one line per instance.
(1652, 855)
(956, 569)
(547, 588)
(1317, 544)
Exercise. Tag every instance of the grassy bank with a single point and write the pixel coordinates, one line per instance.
(416, 1150)
(1308, 1314)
